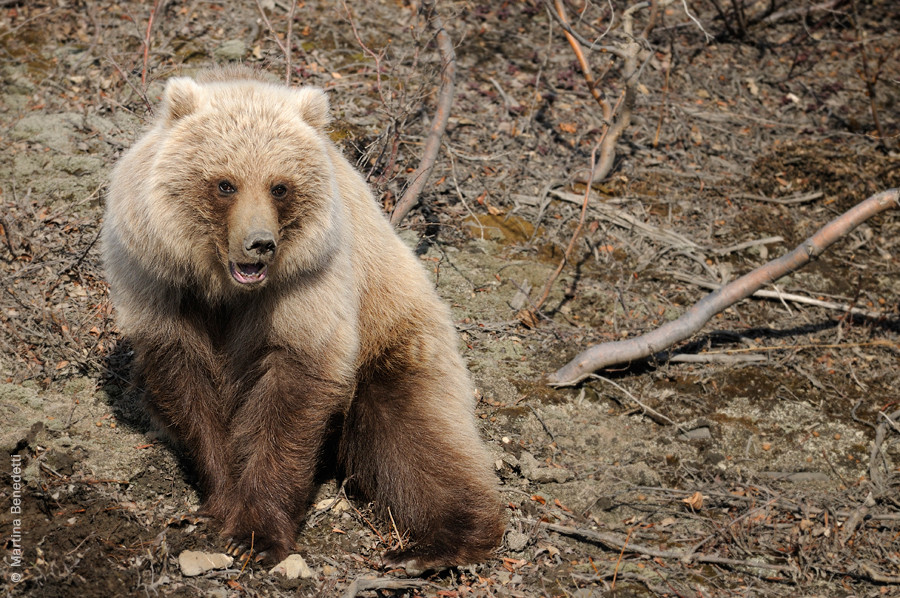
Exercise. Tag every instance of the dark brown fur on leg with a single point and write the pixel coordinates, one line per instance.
(428, 473)
(277, 436)
(185, 392)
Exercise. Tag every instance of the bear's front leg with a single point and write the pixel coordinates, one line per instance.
(277, 436)
(185, 392)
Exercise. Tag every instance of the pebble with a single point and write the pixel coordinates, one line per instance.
(233, 49)
(194, 562)
(516, 541)
(292, 567)
(329, 571)
(338, 506)
(532, 469)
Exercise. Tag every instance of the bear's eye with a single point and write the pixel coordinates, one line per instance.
(278, 191)
(226, 188)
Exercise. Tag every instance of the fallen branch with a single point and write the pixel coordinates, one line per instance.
(803, 11)
(792, 297)
(754, 566)
(803, 510)
(438, 122)
(367, 584)
(624, 220)
(856, 517)
(614, 542)
(875, 473)
(606, 354)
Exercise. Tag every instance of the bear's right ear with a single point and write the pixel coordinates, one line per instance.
(313, 105)
(181, 98)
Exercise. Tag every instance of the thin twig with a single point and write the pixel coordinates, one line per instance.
(558, 11)
(653, 414)
(287, 43)
(396, 531)
(785, 201)
(615, 119)
(285, 46)
(696, 21)
(376, 57)
(147, 43)
(665, 99)
(528, 316)
(619, 560)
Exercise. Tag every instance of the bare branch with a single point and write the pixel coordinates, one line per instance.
(606, 354)
(696, 21)
(368, 584)
(438, 122)
(286, 44)
(617, 119)
(558, 12)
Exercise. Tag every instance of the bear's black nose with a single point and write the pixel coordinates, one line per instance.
(259, 243)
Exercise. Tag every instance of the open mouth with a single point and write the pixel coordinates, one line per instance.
(248, 273)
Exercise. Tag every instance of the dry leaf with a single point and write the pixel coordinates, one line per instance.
(568, 127)
(694, 501)
(666, 522)
(528, 318)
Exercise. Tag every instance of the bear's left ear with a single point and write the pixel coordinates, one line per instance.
(181, 98)
(313, 105)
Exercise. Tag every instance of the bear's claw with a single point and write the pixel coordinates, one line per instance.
(240, 551)
(415, 562)
(179, 520)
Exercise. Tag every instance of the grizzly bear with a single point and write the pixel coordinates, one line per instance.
(273, 309)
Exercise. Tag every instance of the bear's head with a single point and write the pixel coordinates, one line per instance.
(244, 167)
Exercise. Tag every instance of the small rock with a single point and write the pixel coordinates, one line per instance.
(292, 567)
(516, 541)
(231, 50)
(329, 571)
(534, 471)
(193, 562)
(700, 433)
(336, 506)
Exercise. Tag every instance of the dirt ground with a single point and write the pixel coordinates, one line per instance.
(762, 465)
